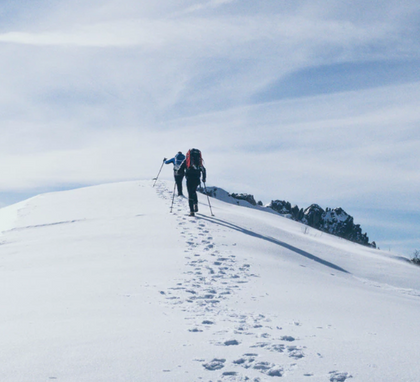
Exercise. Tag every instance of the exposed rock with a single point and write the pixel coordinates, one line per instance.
(247, 197)
(297, 213)
(334, 221)
(221, 194)
(338, 222)
(281, 206)
(312, 216)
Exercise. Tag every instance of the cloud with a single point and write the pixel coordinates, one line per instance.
(309, 102)
(187, 63)
(212, 4)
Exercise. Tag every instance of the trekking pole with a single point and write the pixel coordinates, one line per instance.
(208, 199)
(173, 197)
(155, 179)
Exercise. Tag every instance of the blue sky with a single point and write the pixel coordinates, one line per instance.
(311, 102)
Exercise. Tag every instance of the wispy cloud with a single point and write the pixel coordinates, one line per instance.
(310, 102)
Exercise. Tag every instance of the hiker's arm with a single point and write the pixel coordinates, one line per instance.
(203, 170)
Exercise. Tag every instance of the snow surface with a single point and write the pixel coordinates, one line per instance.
(104, 284)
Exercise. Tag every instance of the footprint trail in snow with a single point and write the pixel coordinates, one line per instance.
(212, 276)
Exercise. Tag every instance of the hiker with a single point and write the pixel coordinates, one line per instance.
(193, 169)
(178, 175)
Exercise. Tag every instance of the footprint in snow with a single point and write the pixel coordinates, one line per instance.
(295, 352)
(215, 364)
(232, 342)
(224, 276)
(246, 360)
(336, 376)
(249, 361)
(287, 338)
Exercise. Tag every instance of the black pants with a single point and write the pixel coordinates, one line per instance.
(192, 184)
(178, 181)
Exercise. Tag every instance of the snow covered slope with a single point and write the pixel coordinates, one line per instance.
(104, 284)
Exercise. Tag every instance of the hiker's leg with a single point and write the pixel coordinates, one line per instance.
(191, 187)
(178, 180)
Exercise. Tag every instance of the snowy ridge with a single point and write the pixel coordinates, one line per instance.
(103, 284)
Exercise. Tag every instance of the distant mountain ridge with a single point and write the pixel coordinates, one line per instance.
(334, 221)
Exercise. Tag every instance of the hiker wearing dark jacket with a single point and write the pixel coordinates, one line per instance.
(178, 175)
(193, 173)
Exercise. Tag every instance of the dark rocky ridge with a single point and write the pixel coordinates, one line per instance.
(334, 221)
(247, 197)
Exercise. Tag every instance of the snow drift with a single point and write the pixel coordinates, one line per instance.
(103, 284)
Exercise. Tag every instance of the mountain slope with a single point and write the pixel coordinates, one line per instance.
(103, 284)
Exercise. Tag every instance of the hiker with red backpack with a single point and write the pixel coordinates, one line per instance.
(194, 170)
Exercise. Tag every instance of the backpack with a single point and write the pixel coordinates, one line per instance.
(194, 159)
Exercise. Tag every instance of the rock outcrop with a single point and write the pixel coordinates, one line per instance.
(221, 194)
(334, 221)
(247, 197)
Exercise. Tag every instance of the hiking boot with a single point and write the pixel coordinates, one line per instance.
(195, 207)
(192, 213)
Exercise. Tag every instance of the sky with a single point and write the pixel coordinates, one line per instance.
(304, 101)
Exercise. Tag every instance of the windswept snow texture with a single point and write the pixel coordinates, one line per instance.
(104, 284)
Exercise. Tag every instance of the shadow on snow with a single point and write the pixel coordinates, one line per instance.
(274, 241)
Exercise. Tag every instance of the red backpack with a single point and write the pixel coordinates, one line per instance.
(194, 159)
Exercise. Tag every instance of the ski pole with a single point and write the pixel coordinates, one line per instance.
(155, 179)
(173, 197)
(208, 199)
